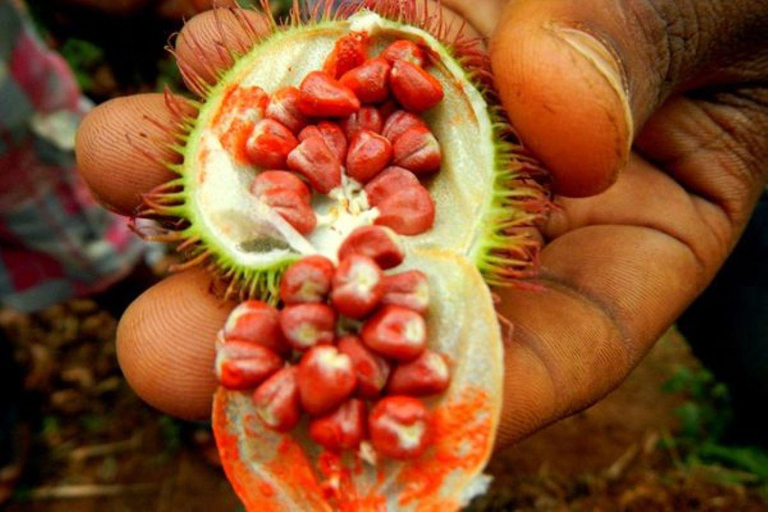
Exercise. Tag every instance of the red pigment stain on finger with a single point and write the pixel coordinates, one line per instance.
(461, 443)
(240, 108)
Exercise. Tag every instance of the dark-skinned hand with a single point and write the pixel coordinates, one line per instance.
(652, 116)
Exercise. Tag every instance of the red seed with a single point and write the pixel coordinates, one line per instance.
(316, 162)
(418, 151)
(377, 242)
(371, 370)
(408, 212)
(307, 325)
(332, 135)
(404, 50)
(307, 280)
(326, 379)
(343, 429)
(408, 289)
(284, 108)
(269, 144)
(244, 365)
(293, 208)
(400, 122)
(414, 88)
(256, 322)
(368, 118)
(389, 182)
(268, 181)
(322, 96)
(277, 400)
(400, 427)
(349, 52)
(369, 153)
(426, 375)
(369, 80)
(396, 332)
(357, 286)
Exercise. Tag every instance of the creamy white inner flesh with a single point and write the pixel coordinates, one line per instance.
(252, 235)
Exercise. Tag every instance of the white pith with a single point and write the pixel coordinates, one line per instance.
(414, 332)
(306, 334)
(408, 436)
(219, 364)
(436, 364)
(363, 279)
(250, 235)
(234, 317)
(267, 414)
(331, 361)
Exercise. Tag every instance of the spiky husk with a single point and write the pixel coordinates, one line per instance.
(508, 251)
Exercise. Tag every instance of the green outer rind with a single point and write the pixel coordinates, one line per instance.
(501, 252)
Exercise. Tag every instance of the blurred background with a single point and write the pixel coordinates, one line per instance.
(76, 438)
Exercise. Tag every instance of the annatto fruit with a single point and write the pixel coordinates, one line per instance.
(357, 133)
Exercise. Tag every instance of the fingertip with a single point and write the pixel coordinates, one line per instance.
(123, 148)
(562, 89)
(209, 42)
(166, 344)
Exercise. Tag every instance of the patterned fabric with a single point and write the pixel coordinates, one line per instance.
(56, 243)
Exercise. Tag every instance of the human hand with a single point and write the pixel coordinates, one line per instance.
(617, 268)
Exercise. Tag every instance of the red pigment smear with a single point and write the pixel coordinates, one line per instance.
(455, 425)
(243, 481)
(349, 52)
(339, 487)
(240, 108)
(290, 467)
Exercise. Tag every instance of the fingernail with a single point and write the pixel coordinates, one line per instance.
(605, 63)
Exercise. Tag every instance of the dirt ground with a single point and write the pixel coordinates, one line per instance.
(96, 447)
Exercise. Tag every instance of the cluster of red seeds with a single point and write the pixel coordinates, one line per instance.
(358, 115)
(347, 338)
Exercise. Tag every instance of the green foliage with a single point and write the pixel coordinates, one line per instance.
(93, 422)
(706, 413)
(168, 75)
(704, 417)
(83, 57)
(171, 430)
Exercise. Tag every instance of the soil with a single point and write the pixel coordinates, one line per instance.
(97, 447)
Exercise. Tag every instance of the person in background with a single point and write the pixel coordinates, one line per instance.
(56, 242)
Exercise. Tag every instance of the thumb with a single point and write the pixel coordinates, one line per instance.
(580, 77)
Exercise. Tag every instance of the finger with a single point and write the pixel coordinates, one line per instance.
(482, 15)
(211, 41)
(165, 344)
(646, 196)
(123, 148)
(579, 77)
(608, 293)
(622, 265)
(713, 152)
